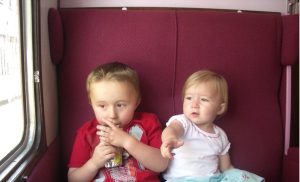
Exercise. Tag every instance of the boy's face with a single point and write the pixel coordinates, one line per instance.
(114, 101)
(202, 104)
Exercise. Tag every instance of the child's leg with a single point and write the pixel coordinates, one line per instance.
(237, 175)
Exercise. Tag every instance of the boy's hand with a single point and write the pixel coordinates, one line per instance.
(168, 145)
(102, 153)
(112, 134)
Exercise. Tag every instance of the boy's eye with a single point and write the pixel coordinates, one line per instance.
(101, 105)
(188, 98)
(204, 99)
(121, 105)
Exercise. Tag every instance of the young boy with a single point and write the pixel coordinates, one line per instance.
(114, 94)
(201, 147)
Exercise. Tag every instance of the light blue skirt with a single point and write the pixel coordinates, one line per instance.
(231, 175)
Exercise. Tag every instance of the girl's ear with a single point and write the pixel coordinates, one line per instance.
(221, 109)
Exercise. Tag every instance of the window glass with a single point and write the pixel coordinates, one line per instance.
(21, 138)
(11, 97)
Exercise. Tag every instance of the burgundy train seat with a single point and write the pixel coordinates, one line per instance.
(254, 51)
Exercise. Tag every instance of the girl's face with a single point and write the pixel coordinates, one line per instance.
(114, 101)
(202, 104)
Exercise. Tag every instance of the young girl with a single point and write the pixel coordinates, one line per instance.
(198, 148)
(114, 94)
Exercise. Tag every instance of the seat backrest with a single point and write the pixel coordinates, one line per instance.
(165, 46)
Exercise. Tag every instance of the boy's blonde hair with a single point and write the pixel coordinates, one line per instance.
(114, 71)
(203, 76)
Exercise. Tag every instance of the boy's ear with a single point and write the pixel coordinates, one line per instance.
(222, 109)
(138, 102)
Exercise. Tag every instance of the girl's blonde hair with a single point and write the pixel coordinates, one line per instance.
(203, 76)
(114, 71)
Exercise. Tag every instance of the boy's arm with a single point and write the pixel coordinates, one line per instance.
(150, 157)
(224, 162)
(85, 173)
(171, 139)
(88, 171)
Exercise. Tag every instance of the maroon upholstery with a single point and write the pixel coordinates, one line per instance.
(56, 37)
(290, 41)
(48, 168)
(291, 166)
(165, 46)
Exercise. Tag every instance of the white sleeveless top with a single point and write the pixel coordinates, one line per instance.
(199, 156)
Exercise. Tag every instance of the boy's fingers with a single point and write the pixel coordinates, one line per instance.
(104, 139)
(101, 127)
(109, 123)
(103, 143)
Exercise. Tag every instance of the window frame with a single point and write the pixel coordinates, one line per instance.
(20, 161)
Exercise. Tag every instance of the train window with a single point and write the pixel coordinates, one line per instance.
(20, 118)
(11, 98)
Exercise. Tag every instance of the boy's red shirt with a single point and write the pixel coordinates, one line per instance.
(145, 127)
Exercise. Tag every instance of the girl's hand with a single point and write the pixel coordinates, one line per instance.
(168, 145)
